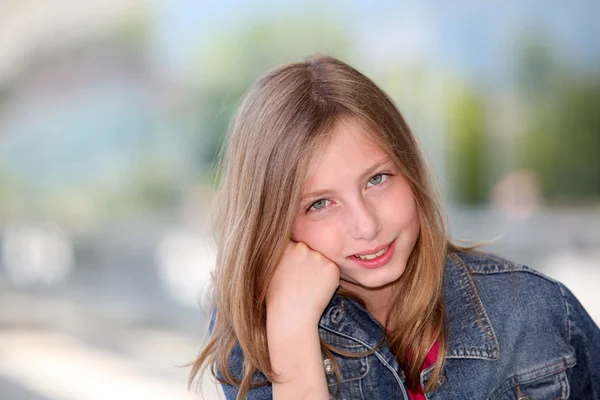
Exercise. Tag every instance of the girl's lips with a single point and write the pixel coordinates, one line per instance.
(372, 251)
(379, 261)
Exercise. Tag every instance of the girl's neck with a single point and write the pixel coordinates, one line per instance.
(378, 301)
(379, 310)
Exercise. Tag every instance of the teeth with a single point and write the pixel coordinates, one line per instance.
(373, 256)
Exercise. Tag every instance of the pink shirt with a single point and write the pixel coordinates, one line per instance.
(429, 361)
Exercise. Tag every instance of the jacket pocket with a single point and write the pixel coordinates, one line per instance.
(352, 370)
(546, 382)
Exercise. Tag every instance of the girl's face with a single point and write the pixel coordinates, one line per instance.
(356, 202)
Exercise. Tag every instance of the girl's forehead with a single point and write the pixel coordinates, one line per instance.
(346, 139)
(348, 149)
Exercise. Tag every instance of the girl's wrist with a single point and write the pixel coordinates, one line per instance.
(298, 335)
(297, 363)
(289, 323)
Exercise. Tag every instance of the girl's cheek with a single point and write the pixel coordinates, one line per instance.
(400, 203)
(322, 236)
(328, 239)
(305, 231)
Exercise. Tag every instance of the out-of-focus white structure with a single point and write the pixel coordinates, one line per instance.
(185, 261)
(31, 26)
(36, 255)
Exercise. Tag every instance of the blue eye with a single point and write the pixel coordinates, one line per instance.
(378, 179)
(318, 205)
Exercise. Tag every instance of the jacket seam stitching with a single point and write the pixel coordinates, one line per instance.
(567, 311)
(477, 305)
(378, 355)
(565, 365)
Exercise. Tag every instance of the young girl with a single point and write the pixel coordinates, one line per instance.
(336, 277)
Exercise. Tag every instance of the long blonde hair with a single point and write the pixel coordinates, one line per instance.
(283, 119)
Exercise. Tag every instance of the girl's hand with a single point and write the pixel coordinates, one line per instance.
(301, 288)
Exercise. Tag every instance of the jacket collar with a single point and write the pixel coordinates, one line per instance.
(470, 332)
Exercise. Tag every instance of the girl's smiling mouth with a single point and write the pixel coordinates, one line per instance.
(376, 257)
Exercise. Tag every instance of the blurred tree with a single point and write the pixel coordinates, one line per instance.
(151, 185)
(466, 127)
(562, 143)
(9, 183)
(231, 62)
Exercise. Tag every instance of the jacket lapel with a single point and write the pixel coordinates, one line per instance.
(470, 331)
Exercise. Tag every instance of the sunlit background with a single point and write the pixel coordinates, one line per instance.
(112, 112)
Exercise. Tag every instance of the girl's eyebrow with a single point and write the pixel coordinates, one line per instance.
(362, 177)
(373, 168)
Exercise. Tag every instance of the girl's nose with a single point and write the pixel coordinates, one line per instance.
(363, 221)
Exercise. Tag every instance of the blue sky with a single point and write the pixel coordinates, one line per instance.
(469, 36)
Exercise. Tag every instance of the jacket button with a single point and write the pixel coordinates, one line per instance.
(337, 314)
(441, 380)
(329, 368)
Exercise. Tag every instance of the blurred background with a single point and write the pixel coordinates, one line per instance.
(112, 112)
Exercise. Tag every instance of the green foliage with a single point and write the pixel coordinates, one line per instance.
(233, 61)
(465, 121)
(562, 143)
(9, 187)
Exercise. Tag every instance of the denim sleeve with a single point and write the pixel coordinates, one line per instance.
(236, 362)
(584, 336)
(259, 393)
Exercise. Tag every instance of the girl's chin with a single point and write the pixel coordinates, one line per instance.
(368, 284)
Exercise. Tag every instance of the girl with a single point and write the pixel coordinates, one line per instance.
(336, 277)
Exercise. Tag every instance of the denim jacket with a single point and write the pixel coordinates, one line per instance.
(512, 334)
